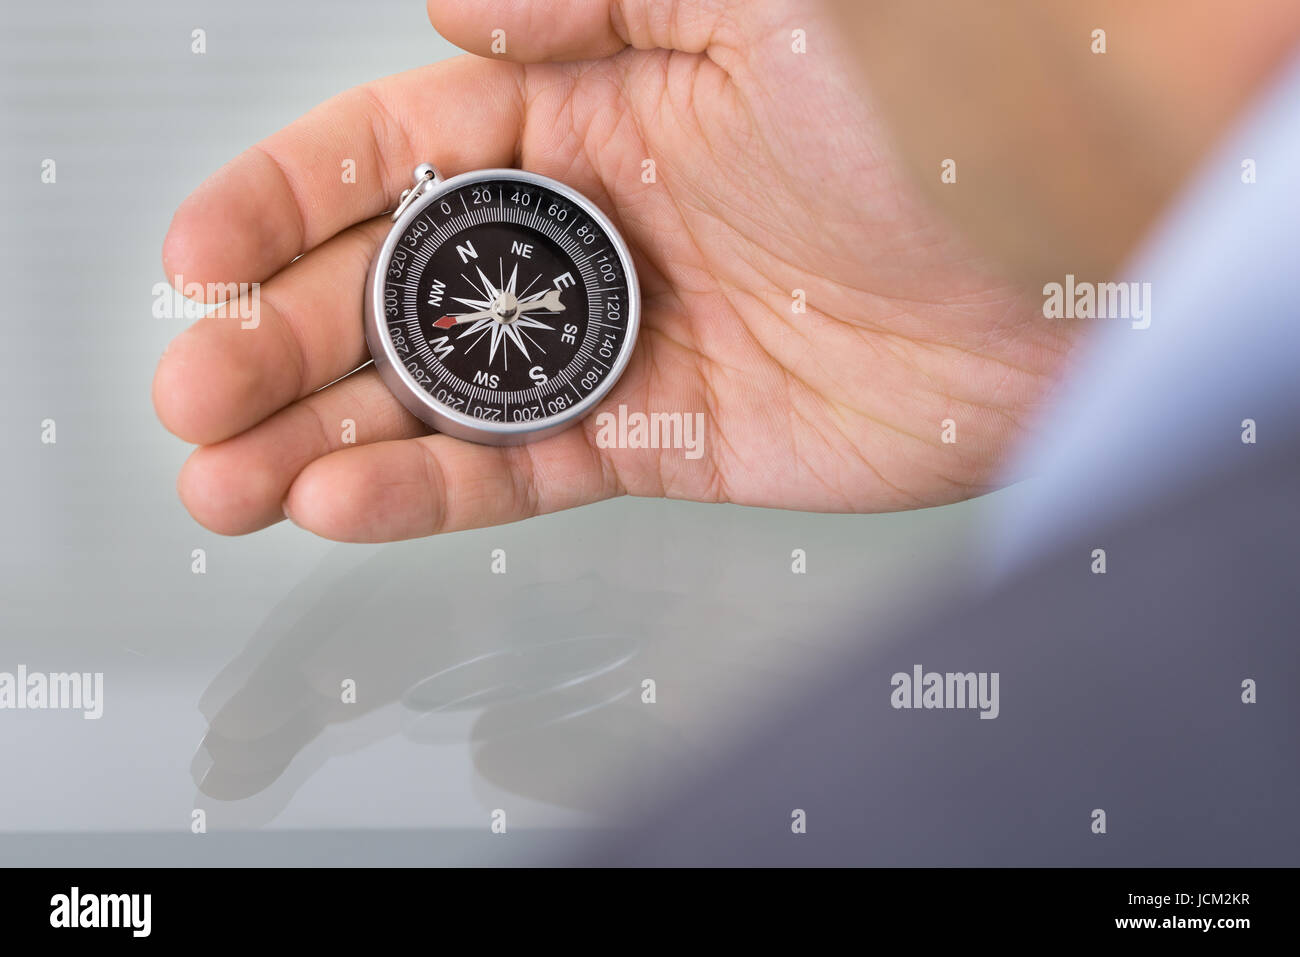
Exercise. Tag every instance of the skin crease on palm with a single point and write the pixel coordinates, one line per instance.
(772, 175)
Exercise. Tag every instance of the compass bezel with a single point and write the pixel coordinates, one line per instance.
(444, 418)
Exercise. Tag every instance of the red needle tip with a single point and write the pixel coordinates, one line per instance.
(446, 322)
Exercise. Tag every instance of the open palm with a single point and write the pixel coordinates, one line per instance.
(771, 187)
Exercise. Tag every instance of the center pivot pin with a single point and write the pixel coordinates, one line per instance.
(507, 308)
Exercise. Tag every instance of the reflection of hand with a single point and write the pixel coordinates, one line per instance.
(771, 184)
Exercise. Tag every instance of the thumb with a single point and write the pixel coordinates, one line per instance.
(532, 31)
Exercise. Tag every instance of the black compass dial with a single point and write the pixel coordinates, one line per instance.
(506, 302)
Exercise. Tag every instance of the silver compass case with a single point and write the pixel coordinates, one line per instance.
(429, 189)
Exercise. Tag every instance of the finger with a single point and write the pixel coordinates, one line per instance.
(528, 31)
(294, 190)
(434, 484)
(218, 377)
(239, 486)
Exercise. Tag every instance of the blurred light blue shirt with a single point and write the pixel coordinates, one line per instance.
(1151, 411)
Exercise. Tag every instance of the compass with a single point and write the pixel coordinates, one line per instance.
(502, 306)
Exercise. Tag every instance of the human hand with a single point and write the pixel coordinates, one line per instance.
(771, 176)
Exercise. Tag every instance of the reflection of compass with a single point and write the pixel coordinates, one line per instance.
(502, 306)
